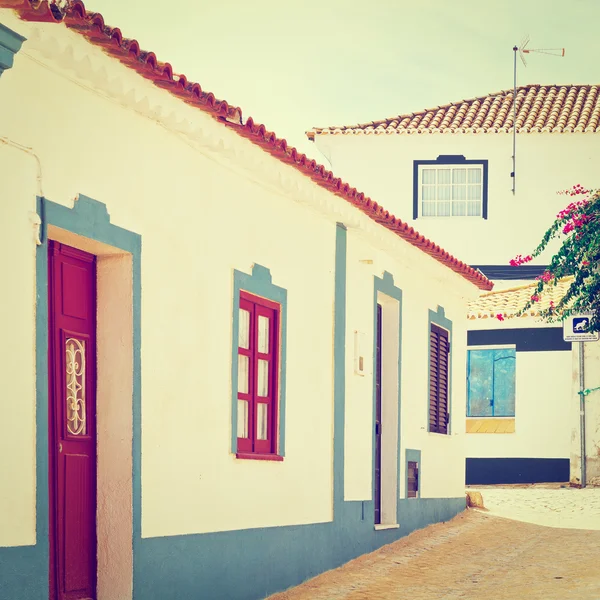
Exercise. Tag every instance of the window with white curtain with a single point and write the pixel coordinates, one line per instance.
(450, 190)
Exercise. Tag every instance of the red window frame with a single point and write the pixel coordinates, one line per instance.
(252, 446)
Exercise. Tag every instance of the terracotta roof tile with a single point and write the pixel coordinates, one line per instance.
(91, 25)
(551, 108)
(508, 302)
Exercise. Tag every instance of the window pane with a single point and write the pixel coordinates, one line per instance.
(428, 209)
(475, 175)
(491, 385)
(459, 176)
(504, 382)
(263, 334)
(443, 209)
(474, 209)
(449, 184)
(75, 377)
(428, 176)
(444, 192)
(242, 419)
(262, 421)
(473, 192)
(263, 378)
(459, 192)
(480, 383)
(244, 329)
(444, 176)
(459, 209)
(243, 363)
(428, 192)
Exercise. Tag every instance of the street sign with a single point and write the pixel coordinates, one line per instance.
(575, 329)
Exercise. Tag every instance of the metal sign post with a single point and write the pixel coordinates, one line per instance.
(582, 411)
(575, 329)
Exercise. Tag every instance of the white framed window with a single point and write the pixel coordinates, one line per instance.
(450, 186)
(451, 190)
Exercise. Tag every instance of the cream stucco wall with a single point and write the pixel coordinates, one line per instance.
(382, 167)
(199, 221)
(442, 456)
(17, 351)
(542, 404)
(205, 202)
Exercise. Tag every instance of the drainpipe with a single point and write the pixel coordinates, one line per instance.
(582, 411)
(35, 219)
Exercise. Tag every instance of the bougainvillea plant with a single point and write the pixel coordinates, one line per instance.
(578, 225)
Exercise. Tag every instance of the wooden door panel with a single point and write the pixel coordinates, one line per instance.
(378, 424)
(74, 291)
(79, 513)
(72, 427)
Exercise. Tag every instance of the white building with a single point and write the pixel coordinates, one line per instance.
(447, 170)
(523, 394)
(519, 391)
(223, 369)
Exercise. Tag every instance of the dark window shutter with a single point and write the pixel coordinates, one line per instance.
(433, 378)
(439, 357)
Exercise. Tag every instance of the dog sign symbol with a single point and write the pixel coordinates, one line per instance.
(580, 324)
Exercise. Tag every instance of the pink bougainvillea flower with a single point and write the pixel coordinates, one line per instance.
(535, 298)
(500, 317)
(585, 263)
(519, 260)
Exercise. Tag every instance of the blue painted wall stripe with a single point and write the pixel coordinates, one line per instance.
(339, 364)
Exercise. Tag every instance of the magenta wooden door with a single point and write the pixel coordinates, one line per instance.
(72, 422)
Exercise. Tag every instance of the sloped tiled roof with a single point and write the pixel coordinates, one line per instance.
(540, 109)
(91, 26)
(508, 302)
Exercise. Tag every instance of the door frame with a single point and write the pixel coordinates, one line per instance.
(56, 386)
(386, 293)
(377, 377)
(86, 225)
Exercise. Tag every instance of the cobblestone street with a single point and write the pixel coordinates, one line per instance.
(481, 555)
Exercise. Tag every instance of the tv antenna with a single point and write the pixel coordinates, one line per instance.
(522, 50)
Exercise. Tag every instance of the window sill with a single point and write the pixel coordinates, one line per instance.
(254, 456)
(490, 425)
(384, 526)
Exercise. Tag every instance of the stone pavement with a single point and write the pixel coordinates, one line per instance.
(545, 504)
(476, 555)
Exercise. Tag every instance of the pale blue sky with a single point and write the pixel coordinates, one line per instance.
(295, 65)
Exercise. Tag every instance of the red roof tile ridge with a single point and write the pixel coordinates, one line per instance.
(527, 100)
(91, 26)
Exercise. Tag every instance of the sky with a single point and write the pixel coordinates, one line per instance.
(293, 65)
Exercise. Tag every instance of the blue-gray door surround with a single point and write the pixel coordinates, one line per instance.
(24, 569)
(10, 44)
